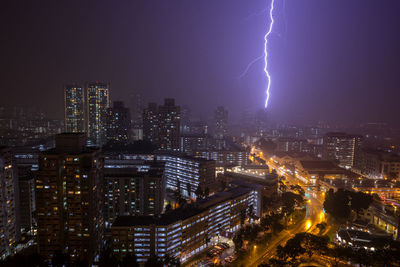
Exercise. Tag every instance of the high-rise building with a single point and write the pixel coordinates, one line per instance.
(341, 147)
(74, 106)
(169, 125)
(27, 203)
(161, 125)
(69, 198)
(220, 122)
(119, 122)
(137, 106)
(185, 119)
(97, 103)
(9, 228)
(134, 190)
(150, 124)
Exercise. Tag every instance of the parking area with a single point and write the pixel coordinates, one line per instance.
(221, 253)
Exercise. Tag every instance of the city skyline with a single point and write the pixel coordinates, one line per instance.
(344, 78)
(200, 133)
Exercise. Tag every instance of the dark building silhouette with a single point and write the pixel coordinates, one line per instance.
(169, 121)
(69, 197)
(150, 124)
(161, 125)
(9, 229)
(220, 122)
(119, 122)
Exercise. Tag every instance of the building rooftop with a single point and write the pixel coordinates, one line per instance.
(320, 165)
(181, 213)
(181, 155)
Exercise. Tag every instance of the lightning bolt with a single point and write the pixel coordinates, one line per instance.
(271, 24)
(249, 66)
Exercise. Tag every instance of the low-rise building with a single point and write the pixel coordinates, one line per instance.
(378, 164)
(311, 171)
(268, 181)
(184, 232)
(386, 217)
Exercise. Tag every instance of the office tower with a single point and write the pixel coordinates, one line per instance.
(341, 147)
(74, 108)
(169, 125)
(220, 122)
(150, 124)
(9, 228)
(97, 103)
(119, 122)
(134, 190)
(69, 198)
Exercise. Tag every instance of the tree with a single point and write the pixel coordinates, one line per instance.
(297, 189)
(250, 212)
(289, 201)
(199, 192)
(107, 258)
(189, 189)
(223, 185)
(282, 186)
(171, 261)
(238, 240)
(206, 192)
(168, 207)
(154, 261)
(242, 216)
(130, 260)
(321, 227)
(337, 204)
(302, 243)
(60, 259)
(360, 201)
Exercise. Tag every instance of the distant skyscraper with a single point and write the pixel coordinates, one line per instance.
(220, 122)
(169, 125)
(341, 147)
(97, 103)
(150, 124)
(185, 119)
(69, 199)
(8, 221)
(74, 108)
(137, 106)
(119, 122)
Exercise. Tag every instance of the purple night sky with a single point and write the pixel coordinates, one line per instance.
(334, 60)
